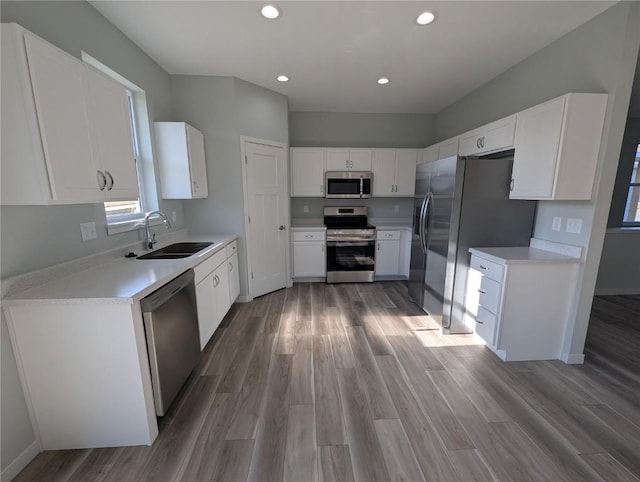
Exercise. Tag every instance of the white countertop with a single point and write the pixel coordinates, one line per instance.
(521, 254)
(121, 280)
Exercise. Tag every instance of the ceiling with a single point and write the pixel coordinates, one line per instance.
(334, 51)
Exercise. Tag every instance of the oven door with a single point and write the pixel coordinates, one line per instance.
(350, 261)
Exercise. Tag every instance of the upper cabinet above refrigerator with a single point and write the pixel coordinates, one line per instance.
(181, 160)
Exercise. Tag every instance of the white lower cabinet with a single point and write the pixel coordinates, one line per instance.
(520, 305)
(309, 254)
(393, 252)
(217, 287)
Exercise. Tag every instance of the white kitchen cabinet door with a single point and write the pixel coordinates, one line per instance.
(307, 172)
(384, 172)
(234, 278)
(429, 154)
(110, 122)
(309, 259)
(181, 160)
(557, 145)
(207, 309)
(387, 257)
(221, 291)
(406, 161)
(405, 252)
(58, 83)
(448, 147)
(356, 159)
(494, 137)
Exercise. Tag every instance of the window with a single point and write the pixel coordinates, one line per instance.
(121, 211)
(632, 210)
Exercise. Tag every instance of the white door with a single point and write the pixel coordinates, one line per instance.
(268, 227)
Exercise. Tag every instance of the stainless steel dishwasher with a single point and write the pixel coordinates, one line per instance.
(171, 327)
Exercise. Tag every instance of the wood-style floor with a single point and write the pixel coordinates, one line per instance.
(351, 382)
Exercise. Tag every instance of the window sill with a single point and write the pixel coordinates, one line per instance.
(130, 225)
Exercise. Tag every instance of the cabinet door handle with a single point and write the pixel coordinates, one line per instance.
(323, 247)
(195, 186)
(102, 180)
(512, 184)
(482, 267)
(321, 189)
(282, 227)
(110, 181)
(378, 246)
(230, 267)
(479, 322)
(217, 281)
(482, 292)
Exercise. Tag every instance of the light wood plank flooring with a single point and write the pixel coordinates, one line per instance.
(353, 383)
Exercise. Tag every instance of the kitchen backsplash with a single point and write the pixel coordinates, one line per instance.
(378, 208)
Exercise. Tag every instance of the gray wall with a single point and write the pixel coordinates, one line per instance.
(35, 237)
(599, 56)
(331, 129)
(224, 108)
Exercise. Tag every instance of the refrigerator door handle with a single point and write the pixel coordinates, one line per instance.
(423, 222)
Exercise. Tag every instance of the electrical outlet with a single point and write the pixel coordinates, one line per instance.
(305, 208)
(557, 224)
(396, 208)
(574, 225)
(174, 217)
(88, 231)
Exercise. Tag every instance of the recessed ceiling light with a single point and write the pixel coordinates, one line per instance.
(283, 78)
(270, 12)
(425, 18)
(383, 80)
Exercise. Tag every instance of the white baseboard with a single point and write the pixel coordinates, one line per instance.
(572, 358)
(20, 462)
(617, 291)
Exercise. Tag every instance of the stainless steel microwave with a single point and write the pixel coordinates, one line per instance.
(348, 184)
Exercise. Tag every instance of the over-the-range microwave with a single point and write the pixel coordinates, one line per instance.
(348, 184)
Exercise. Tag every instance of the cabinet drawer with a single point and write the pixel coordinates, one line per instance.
(209, 265)
(385, 235)
(308, 235)
(486, 325)
(232, 248)
(488, 268)
(490, 294)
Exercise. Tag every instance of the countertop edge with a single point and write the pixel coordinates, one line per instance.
(546, 257)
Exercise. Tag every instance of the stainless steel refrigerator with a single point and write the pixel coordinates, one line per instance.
(460, 203)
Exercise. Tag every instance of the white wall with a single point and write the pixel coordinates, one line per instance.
(599, 56)
(224, 108)
(35, 237)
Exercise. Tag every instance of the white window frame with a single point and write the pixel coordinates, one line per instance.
(631, 198)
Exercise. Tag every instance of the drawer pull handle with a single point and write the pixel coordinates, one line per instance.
(482, 292)
(483, 267)
(479, 322)
(308, 235)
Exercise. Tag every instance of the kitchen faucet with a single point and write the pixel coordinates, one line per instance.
(151, 237)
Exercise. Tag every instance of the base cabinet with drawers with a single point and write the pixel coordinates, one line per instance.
(309, 253)
(518, 299)
(217, 287)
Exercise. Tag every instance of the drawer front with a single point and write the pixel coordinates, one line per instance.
(385, 235)
(488, 268)
(209, 265)
(308, 235)
(232, 248)
(490, 294)
(486, 325)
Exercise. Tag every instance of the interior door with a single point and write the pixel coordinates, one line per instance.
(267, 234)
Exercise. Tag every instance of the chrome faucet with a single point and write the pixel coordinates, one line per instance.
(151, 237)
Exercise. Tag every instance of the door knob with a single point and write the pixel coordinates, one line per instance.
(282, 227)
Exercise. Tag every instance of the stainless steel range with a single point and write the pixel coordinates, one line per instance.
(351, 245)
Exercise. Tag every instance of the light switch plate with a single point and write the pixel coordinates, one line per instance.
(88, 231)
(557, 224)
(305, 208)
(574, 225)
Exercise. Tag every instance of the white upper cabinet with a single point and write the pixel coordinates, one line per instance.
(394, 172)
(494, 137)
(66, 135)
(181, 161)
(356, 159)
(448, 148)
(557, 145)
(429, 154)
(307, 172)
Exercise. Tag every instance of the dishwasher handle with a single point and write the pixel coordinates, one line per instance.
(161, 295)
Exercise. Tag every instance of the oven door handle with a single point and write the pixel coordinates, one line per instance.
(346, 243)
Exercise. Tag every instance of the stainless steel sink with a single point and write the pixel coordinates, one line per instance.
(176, 251)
